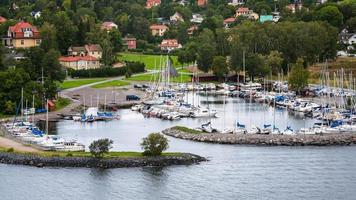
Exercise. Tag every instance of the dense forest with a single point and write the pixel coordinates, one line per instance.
(309, 34)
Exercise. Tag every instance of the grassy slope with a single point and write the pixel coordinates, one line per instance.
(114, 83)
(148, 60)
(122, 154)
(148, 77)
(67, 84)
(61, 103)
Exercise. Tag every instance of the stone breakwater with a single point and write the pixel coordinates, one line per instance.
(89, 162)
(267, 140)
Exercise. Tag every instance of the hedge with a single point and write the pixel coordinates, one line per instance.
(135, 67)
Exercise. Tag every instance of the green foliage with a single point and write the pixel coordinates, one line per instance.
(154, 144)
(100, 147)
(298, 78)
(220, 67)
(10, 150)
(330, 14)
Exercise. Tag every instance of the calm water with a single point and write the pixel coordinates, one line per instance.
(234, 172)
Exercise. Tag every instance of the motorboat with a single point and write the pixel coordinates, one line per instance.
(203, 112)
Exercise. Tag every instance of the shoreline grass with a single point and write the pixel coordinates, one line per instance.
(113, 154)
(62, 103)
(67, 84)
(114, 83)
(187, 130)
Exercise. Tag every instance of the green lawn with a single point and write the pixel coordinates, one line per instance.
(150, 61)
(149, 77)
(114, 83)
(67, 84)
(61, 103)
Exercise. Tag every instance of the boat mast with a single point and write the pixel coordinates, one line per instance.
(22, 104)
(47, 117)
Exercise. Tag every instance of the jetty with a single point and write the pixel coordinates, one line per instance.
(339, 139)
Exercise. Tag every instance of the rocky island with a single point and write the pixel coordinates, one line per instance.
(259, 139)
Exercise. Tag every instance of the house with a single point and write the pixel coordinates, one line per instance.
(266, 18)
(229, 21)
(109, 26)
(236, 2)
(158, 29)
(352, 39)
(129, 43)
(177, 17)
(22, 35)
(36, 14)
(192, 29)
(197, 18)
(79, 62)
(294, 7)
(202, 2)
(183, 2)
(170, 44)
(93, 50)
(152, 3)
(242, 11)
(2, 19)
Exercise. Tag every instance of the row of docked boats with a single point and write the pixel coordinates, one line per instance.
(93, 114)
(28, 133)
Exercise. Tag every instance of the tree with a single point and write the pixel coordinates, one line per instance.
(274, 60)
(154, 144)
(49, 36)
(256, 65)
(330, 14)
(100, 147)
(298, 78)
(220, 67)
(107, 56)
(351, 25)
(205, 55)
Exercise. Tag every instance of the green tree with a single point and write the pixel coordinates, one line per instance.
(274, 61)
(154, 144)
(107, 57)
(256, 65)
(205, 55)
(220, 67)
(330, 14)
(298, 78)
(99, 148)
(351, 24)
(49, 36)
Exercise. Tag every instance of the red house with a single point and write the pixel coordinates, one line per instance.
(130, 43)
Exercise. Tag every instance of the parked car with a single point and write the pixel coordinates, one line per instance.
(132, 98)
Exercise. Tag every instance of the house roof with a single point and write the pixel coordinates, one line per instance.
(229, 20)
(93, 47)
(77, 49)
(76, 58)
(18, 30)
(2, 19)
(242, 9)
(129, 39)
(108, 25)
(169, 43)
(158, 26)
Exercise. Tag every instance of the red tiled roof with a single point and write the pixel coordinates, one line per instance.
(17, 30)
(151, 3)
(242, 9)
(169, 43)
(93, 47)
(158, 26)
(108, 25)
(229, 20)
(76, 58)
(2, 19)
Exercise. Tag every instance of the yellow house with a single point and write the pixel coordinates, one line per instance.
(22, 35)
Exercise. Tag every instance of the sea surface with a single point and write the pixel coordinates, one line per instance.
(233, 172)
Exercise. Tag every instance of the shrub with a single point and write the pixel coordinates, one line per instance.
(100, 147)
(10, 149)
(154, 144)
(69, 155)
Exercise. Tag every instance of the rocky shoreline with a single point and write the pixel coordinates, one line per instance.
(266, 140)
(90, 162)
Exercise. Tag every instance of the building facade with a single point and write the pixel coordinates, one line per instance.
(158, 29)
(93, 50)
(22, 35)
(79, 62)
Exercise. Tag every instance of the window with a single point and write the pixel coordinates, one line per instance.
(38, 42)
(22, 42)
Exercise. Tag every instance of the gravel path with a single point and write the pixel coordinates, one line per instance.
(8, 143)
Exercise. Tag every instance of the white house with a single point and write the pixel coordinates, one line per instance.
(197, 18)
